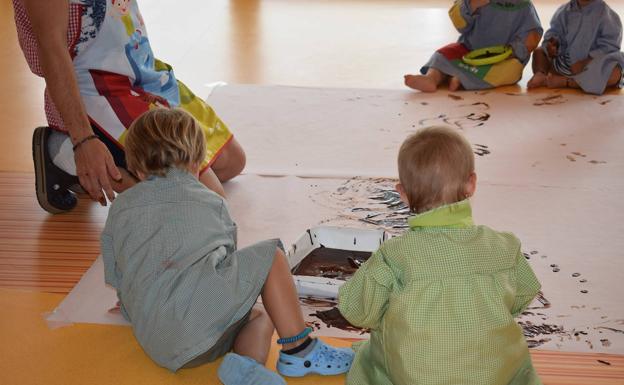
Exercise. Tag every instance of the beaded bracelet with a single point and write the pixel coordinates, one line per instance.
(298, 337)
(88, 138)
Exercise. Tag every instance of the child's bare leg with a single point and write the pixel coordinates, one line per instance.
(281, 301)
(426, 83)
(615, 77)
(454, 83)
(254, 339)
(541, 66)
(210, 180)
(532, 41)
(554, 80)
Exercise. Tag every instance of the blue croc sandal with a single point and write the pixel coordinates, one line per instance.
(240, 370)
(323, 359)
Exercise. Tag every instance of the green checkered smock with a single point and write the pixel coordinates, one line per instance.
(441, 301)
(169, 248)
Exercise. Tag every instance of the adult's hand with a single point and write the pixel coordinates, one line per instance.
(95, 168)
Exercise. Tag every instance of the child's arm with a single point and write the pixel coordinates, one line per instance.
(527, 36)
(364, 298)
(554, 42)
(527, 285)
(462, 13)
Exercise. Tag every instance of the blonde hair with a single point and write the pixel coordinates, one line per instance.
(434, 166)
(163, 138)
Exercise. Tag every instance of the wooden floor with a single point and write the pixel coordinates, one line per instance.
(39, 251)
(329, 43)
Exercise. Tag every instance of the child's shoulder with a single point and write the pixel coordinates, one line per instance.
(470, 234)
(425, 245)
(167, 190)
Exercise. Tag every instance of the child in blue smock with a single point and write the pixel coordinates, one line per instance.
(581, 49)
(169, 249)
(482, 24)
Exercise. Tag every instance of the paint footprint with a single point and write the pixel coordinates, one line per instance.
(576, 155)
(550, 100)
(471, 120)
(481, 149)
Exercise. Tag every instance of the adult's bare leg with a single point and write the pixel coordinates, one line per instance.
(230, 162)
(210, 180)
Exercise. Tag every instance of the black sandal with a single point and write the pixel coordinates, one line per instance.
(51, 183)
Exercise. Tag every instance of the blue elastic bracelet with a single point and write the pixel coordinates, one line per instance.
(298, 337)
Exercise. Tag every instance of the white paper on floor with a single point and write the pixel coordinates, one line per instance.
(551, 171)
(532, 138)
(578, 230)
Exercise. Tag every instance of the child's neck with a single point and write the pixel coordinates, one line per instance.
(584, 3)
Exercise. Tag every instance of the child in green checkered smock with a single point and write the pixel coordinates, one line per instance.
(440, 300)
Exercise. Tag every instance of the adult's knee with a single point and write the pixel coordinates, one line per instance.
(231, 161)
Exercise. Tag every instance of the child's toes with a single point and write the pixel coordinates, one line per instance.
(538, 80)
(420, 83)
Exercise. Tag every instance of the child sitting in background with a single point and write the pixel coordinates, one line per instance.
(581, 49)
(169, 248)
(441, 299)
(482, 24)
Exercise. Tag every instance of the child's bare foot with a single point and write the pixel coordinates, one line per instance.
(538, 80)
(454, 83)
(421, 82)
(556, 81)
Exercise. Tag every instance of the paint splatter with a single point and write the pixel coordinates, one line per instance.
(333, 318)
(532, 330)
(550, 100)
(604, 102)
(484, 104)
(597, 162)
(455, 97)
(371, 201)
(571, 158)
(541, 299)
(604, 362)
(481, 150)
(473, 119)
